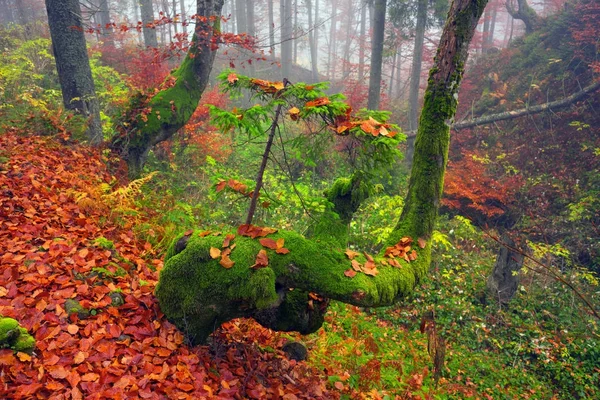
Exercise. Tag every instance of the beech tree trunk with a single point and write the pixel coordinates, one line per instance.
(312, 33)
(525, 13)
(240, 16)
(171, 108)
(271, 27)
(148, 28)
(106, 29)
(362, 40)
(286, 38)
(376, 54)
(415, 77)
(73, 65)
(197, 294)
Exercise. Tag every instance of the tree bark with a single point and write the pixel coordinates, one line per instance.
(415, 78)
(525, 14)
(240, 16)
(503, 283)
(148, 28)
(171, 108)
(197, 294)
(106, 29)
(271, 27)
(376, 54)
(286, 38)
(72, 64)
(362, 40)
(312, 32)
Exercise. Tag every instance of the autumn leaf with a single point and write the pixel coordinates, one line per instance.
(268, 243)
(226, 262)
(72, 329)
(215, 253)
(80, 357)
(282, 250)
(322, 101)
(228, 239)
(356, 265)
(351, 254)
(23, 357)
(421, 242)
(232, 78)
(350, 273)
(294, 113)
(220, 186)
(204, 234)
(262, 260)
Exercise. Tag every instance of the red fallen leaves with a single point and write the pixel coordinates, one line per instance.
(402, 249)
(234, 185)
(254, 231)
(267, 86)
(275, 245)
(47, 252)
(262, 260)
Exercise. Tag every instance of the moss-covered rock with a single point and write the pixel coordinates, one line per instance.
(14, 336)
(72, 306)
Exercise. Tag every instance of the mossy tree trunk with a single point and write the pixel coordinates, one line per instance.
(73, 65)
(198, 294)
(171, 108)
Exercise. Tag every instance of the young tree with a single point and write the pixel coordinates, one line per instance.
(376, 54)
(286, 17)
(288, 291)
(73, 65)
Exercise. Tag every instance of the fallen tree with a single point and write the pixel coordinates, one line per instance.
(207, 279)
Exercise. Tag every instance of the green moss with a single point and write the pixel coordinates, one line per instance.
(197, 294)
(14, 336)
(104, 243)
(72, 306)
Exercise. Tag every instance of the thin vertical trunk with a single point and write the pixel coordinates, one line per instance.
(174, 6)
(492, 28)
(271, 27)
(251, 31)
(393, 72)
(106, 29)
(72, 63)
(148, 27)
(183, 17)
(376, 54)
(486, 30)
(240, 16)
(348, 39)
(415, 77)
(286, 38)
(295, 29)
(331, 52)
(362, 39)
(311, 41)
(398, 73)
(136, 16)
(316, 32)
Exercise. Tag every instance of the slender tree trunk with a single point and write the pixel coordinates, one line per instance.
(172, 107)
(174, 7)
(348, 40)
(148, 27)
(486, 31)
(72, 63)
(136, 16)
(294, 30)
(271, 27)
(398, 85)
(316, 32)
(311, 42)
(362, 40)
(376, 55)
(240, 16)
(331, 47)
(393, 72)
(334, 40)
(490, 38)
(286, 38)
(415, 78)
(106, 29)
(183, 17)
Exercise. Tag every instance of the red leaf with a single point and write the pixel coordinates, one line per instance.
(268, 243)
(262, 260)
(350, 273)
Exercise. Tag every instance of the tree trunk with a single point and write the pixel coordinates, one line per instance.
(503, 283)
(525, 14)
(311, 42)
(362, 40)
(271, 27)
(72, 64)
(136, 16)
(197, 294)
(106, 29)
(148, 27)
(415, 78)
(240, 16)
(331, 46)
(183, 17)
(171, 108)
(294, 30)
(486, 31)
(376, 54)
(286, 38)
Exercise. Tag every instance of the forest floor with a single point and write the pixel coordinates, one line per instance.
(58, 242)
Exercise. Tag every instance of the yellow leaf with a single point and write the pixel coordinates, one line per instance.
(215, 253)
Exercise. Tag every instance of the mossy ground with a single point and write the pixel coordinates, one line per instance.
(14, 336)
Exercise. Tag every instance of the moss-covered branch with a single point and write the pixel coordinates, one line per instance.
(197, 292)
(172, 107)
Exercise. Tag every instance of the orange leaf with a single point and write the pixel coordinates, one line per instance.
(215, 253)
(280, 243)
(228, 239)
(294, 113)
(282, 250)
(72, 329)
(351, 254)
(188, 232)
(58, 372)
(23, 356)
(220, 186)
(204, 234)
(226, 262)
(269, 243)
(262, 260)
(80, 357)
(422, 243)
(350, 273)
(232, 78)
(318, 102)
(339, 385)
(356, 265)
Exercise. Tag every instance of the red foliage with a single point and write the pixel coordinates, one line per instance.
(47, 253)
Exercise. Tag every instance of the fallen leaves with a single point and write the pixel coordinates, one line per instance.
(128, 351)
